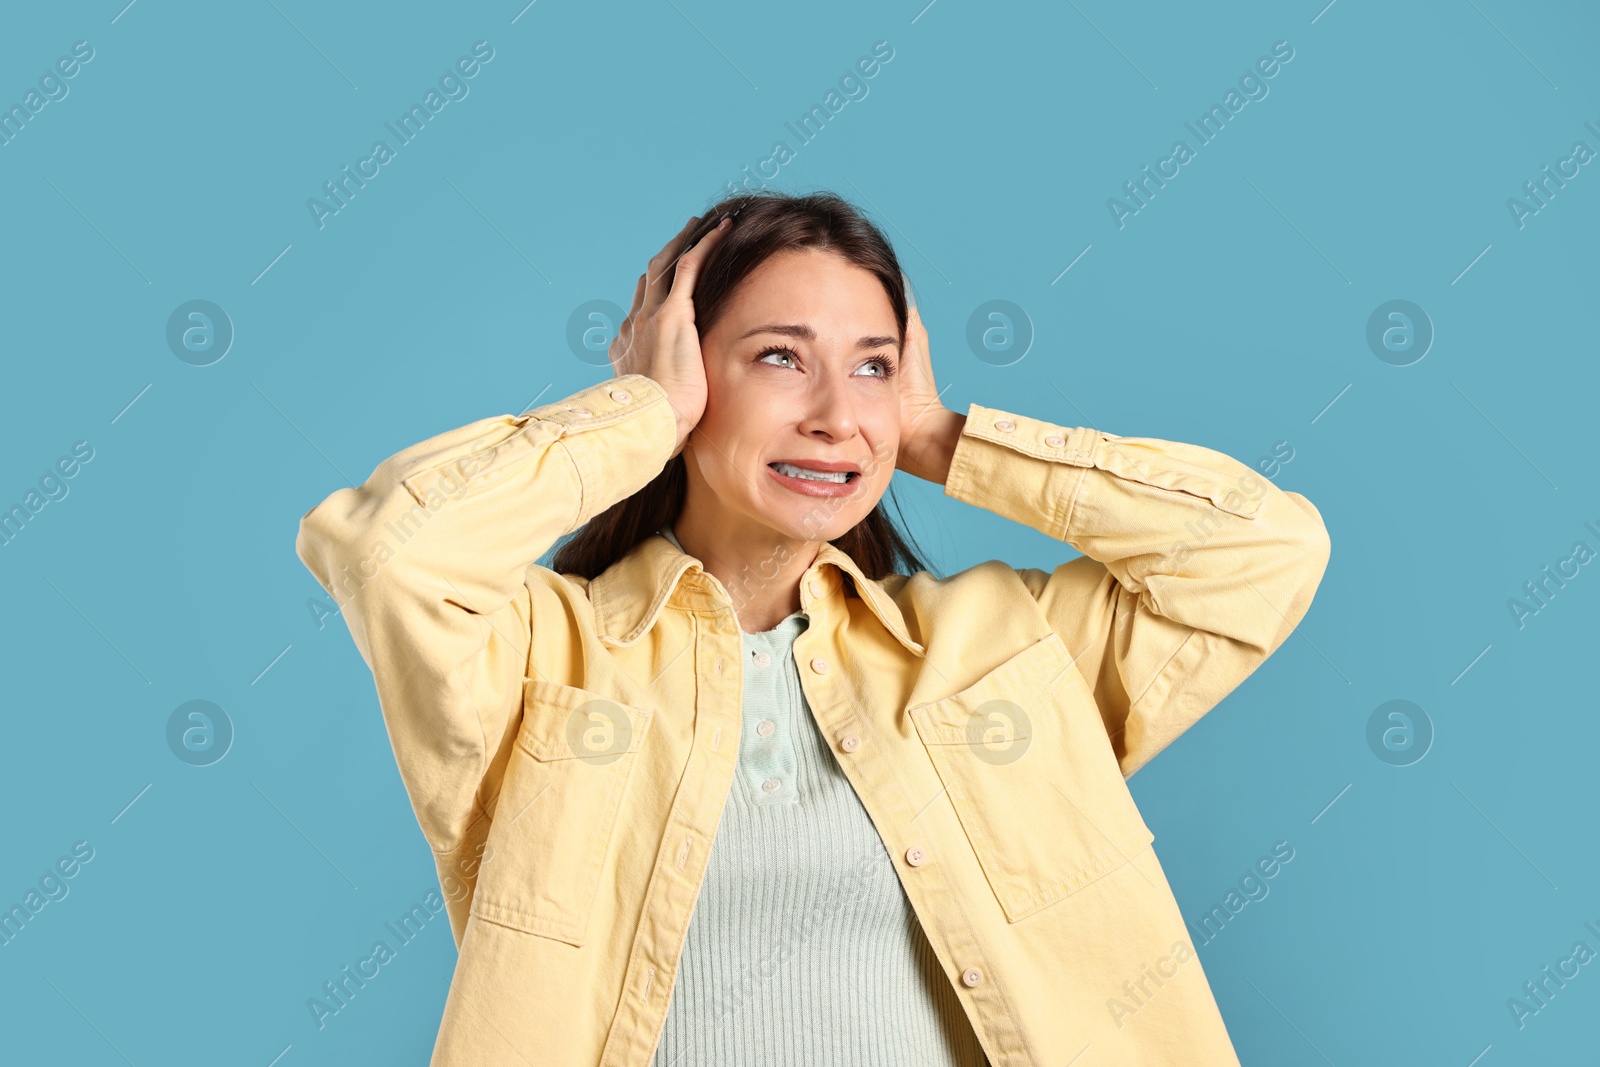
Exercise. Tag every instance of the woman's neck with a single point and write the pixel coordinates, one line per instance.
(760, 572)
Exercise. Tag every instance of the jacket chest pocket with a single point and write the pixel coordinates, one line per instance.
(553, 821)
(1030, 771)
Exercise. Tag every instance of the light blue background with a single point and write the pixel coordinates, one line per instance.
(1230, 311)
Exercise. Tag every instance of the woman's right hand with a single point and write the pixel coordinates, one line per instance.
(658, 338)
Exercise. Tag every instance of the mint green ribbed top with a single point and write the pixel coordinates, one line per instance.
(803, 950)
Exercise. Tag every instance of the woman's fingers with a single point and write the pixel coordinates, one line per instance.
(653, 289)
(918, 394)
(638, 297)
(656, 284)
(916, 354)
(690, 262)
(622, 343)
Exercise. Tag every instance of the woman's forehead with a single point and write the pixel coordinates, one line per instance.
(821, 290)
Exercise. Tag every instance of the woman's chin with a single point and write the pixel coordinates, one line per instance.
(817, 521)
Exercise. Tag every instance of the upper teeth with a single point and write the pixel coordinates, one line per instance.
(805, 472)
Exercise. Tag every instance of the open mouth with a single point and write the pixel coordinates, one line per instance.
(810, 475)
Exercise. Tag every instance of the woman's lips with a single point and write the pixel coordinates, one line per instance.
(815, 488)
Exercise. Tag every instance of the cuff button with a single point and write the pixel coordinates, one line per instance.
(1005, 425)
(621, 396)
(1055, 440)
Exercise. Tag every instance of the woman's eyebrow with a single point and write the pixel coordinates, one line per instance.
(806, 333)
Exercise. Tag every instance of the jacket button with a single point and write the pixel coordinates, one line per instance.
(850, 743)
(819, 665)
(621, 396)
(1005, 425)
(971, 977)
(916, 855)
(1055, 440)
(816, 588)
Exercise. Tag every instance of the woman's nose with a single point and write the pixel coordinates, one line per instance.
(830, 409)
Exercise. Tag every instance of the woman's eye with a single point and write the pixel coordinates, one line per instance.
(885, 367)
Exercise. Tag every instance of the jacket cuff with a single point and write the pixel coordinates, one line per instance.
(612, 466)
(993, 467)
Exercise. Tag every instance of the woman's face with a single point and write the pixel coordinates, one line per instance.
(800, 368)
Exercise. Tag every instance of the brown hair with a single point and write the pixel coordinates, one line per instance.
(767, 223)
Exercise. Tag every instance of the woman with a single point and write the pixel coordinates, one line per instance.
(924, 846)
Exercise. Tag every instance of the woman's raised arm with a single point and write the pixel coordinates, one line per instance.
(1195, 568)
(429, 558)
(428, 561)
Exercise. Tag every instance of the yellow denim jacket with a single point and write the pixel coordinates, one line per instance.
(568, 745)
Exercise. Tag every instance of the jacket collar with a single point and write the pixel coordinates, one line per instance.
(631, 593)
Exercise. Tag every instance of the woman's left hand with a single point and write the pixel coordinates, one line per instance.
(924, 422)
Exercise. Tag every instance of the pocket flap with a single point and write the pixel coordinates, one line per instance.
(568, 722)
(986, 711)
(1030, 771)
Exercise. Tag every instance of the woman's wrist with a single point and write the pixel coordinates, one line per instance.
(927, 454)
